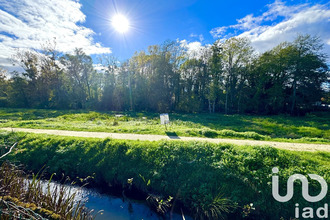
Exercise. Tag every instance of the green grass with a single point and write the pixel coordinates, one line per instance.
(313, 128)
(205, 177)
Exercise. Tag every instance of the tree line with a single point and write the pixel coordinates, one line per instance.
(227, 76)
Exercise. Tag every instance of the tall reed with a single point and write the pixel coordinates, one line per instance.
(23, 196)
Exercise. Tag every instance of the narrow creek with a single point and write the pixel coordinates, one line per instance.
(114, 207)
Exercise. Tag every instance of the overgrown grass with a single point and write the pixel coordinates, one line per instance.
(207, 178)
(313, 128)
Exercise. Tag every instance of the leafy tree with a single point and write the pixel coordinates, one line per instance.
(226, 76)
(216, 75)
(237, 54)
(288, 77)
(108, 82)
(80, 69)
(266, 82)
(192, 85)
(52, 80)
(18, 95)
(4, 86)
(140, 73)
(307, 70)
(29, 61)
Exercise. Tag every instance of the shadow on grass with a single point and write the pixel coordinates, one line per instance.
(34, 114)
(217, 121)
(261, 124)
(172, 135)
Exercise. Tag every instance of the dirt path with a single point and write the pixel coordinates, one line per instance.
(149, 137)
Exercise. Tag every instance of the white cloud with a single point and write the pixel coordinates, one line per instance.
(99, 67)
(193, 35)
(289, 21)
(28, 24)
(199, 37)
(194, 49)
(219, 31)
(275, 10)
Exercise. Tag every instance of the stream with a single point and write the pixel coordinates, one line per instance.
(114, 207)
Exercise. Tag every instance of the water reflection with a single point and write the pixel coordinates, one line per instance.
(114, 207)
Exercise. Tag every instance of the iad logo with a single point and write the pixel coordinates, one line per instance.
(308, 212)
(304, 181)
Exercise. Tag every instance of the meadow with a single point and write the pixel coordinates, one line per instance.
(312, 128)
(209, 181)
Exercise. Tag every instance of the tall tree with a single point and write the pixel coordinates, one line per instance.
(52, 80)
(108, 83)
(216, 76)
(267, 82)
(237, 54)
(79, 70)
(306, 71)
(4, 87)
(30, 62)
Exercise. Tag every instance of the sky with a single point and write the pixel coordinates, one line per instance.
(29, 24)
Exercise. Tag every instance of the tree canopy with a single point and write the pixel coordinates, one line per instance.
(227, 77)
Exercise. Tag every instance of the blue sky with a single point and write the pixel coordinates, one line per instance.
(27, 24)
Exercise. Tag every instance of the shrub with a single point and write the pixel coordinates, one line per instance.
(248, 134)
(209, 133)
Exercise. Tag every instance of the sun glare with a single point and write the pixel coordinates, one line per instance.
(120, 23)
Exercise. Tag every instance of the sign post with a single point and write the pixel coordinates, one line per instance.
(164, 119)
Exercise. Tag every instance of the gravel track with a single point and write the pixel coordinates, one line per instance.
(150, 137)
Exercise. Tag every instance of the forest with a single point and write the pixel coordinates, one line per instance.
(228, 76)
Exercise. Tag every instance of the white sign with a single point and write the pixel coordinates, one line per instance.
(164, 119)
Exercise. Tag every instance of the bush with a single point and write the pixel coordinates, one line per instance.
(248, 134)
(209, 133)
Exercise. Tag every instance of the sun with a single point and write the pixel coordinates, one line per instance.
(120, 23)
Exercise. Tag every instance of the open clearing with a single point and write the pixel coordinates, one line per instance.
(313, 128)
(282, 145)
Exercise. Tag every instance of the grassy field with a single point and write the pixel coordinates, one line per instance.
(211, 180)
(313, 128)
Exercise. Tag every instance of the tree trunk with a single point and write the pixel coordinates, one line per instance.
(293, 97)
(238, 103)
(130, 92)
(226, 104)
